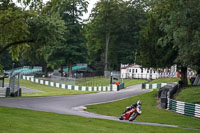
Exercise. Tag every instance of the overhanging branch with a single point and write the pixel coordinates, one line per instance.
(14, 44)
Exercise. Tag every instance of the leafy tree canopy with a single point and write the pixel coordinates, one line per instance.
(72, 49)
(113, 32)
(172, 32)
(24, 27)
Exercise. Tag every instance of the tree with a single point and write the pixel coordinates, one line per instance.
(183, 31)
(178, 23)
(73, 49)
(101, 27)
(6, 60)
(113, 32)
(13, 28)
(132, 17)
(152, 53)
(47, 31)
(27, 29)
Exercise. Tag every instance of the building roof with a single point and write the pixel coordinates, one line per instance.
(74, 68)
(131, 66)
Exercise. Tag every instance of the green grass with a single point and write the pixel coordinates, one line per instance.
(53, 91)
(26, 121)
(93, 81)
(47, 90)
(164, 80)
(90, 81)
(130, 82)
(191, 94)
(151, 113)
(101, 81)
(97, 81)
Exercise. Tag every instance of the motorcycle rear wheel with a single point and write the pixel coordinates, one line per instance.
(133, 116)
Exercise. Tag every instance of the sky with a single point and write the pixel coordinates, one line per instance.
(90, 6)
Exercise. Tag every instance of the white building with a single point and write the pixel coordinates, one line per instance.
(137, 72)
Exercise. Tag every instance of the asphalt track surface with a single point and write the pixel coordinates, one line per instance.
(75, 104)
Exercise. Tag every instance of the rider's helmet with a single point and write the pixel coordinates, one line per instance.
(139, 102)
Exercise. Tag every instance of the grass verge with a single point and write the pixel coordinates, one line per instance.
(151, 113)
(106, 81)
(26, 121)
(130, 82)
(191, 94)
(93, 81)
(164, 80)
(47, 90)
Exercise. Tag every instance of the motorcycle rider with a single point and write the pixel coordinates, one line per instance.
(139, 103)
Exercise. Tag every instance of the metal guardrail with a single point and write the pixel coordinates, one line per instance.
(180, 107)
(4, 92)
(184, 108)
(153, 86)
(66, 86)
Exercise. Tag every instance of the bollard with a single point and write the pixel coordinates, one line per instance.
(117, 87)
(143, 86)
(20, 92)
(7, 92)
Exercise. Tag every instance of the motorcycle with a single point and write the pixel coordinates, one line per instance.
(131, 114)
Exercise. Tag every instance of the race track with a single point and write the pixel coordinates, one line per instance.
(75, 104)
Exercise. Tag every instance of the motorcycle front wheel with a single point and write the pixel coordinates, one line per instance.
(121, 117)
(133, 116)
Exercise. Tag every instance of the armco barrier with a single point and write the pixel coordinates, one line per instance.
(184, 108)
(4, 92)
(71, 87)
(153, 86)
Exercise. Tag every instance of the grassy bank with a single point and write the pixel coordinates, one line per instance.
(191, 94)
(93, 81)
(151, 113)
(98, 81)
(27, 121)
(164, 80)
(47, 90)
(130, 82)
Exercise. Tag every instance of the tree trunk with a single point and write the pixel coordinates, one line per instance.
(198, 72)
(106, 53)
(45, 70)
(69, 68)
(184, 79)
(61, 71)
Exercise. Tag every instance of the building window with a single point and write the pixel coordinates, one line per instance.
(147, 71)
(141, 70)
(135, 70)
(130, 70)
